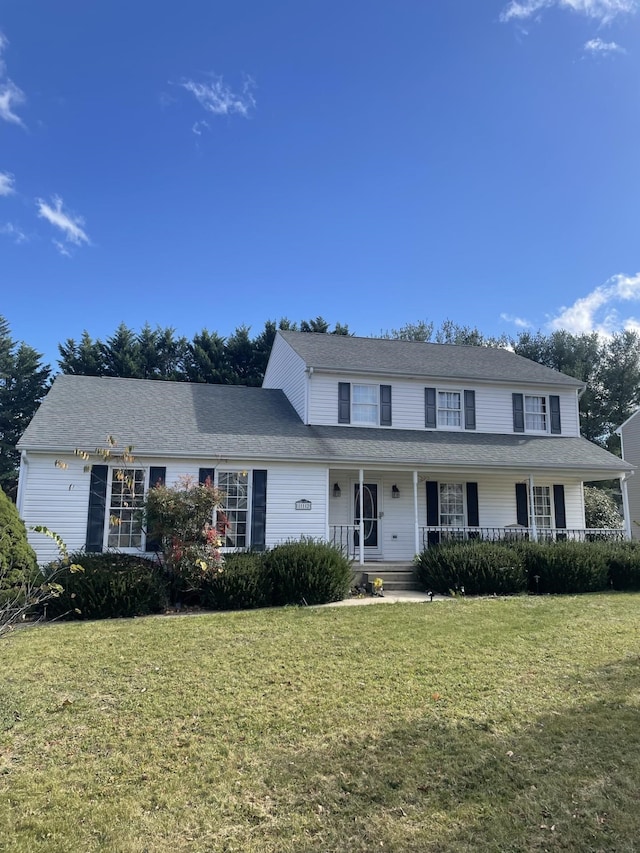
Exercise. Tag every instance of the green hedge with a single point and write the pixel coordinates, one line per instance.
(111, 585)
(484, 568)
(307, 572)
(241, 585)
(478, 568)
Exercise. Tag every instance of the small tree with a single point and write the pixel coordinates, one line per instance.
(180, 519)
(600, 509)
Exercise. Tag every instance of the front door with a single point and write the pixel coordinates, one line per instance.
(368, 505)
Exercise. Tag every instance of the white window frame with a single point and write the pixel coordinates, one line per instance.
(544, 493)
(373, 406)
(545, 414)
(226, 511)
(447, 409)
(109, 507)
(463, 523)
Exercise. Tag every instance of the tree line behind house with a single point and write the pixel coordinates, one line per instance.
(610, 367)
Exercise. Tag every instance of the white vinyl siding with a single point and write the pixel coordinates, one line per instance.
(631, 453)
(287, 484)
(286, 370)
(494, 403)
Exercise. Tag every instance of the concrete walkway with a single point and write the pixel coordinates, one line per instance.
(388, 598)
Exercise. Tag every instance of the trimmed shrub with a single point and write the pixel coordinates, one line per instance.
(307, 572)
(623, 561)
(242, 584)
(112, 585)
(564, 567)
(18, 566)
(482, 568)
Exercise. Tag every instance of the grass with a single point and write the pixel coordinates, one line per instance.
(497, 725)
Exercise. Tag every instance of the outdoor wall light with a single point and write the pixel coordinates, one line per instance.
(336, 490)
(395, 491)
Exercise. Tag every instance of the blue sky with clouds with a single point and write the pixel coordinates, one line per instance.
(205, 164)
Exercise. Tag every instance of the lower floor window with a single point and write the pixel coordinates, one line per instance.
(451, 505)
(233, 514)
(125, 509)
(542, 506)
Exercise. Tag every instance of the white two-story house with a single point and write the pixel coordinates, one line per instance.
(381, 446)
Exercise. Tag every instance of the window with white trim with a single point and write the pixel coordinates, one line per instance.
(126, 499)
(364, 404)
(452, 505)
(232, 517)
(535, 413)
(542, 507)
(449, 409)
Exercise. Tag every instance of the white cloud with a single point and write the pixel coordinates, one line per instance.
(597, 311)
(61, 248)
(218, 98)
(199, 124)
(520, 322)
(11, 96)
(598, 47)
(6, 183)
(12, 231)
(68, 223)
(600, 10)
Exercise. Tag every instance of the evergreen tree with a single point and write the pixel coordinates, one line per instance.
(23, 383)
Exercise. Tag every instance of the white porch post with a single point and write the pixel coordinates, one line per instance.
(532, 515)
(361, 525)
(416, 520)
(625, 505)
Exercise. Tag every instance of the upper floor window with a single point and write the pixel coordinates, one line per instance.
(369, 405)
(364, 404)
(536, 413)
(449, 409)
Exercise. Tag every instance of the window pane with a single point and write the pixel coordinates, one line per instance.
(126, 499)
(364, 406)
(449, 408)
(451, 505)
(232, 515)
(542, 506)
(535, 413)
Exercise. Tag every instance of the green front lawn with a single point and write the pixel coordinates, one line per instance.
(498, 725)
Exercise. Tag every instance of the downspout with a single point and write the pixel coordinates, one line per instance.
(361, 502)
(532, 517)
(415, 512)
(307, 396)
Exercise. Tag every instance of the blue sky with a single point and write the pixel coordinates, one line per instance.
(204, 164)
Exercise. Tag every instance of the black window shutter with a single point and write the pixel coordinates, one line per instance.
(473, 513)
(97, 508)
(259, 510)
(430, 408)
(469, 409)
(385, 405)
(559, 506)
(554, 407)
(206, 476)
(522, 504)
(344, 403)
(518, 413)
(157, 477)
(433, 512)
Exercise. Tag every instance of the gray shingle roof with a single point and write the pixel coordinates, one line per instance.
(415, 358)
(225, 421)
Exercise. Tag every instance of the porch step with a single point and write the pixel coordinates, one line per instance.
(394, 579)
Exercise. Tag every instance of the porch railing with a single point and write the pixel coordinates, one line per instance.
(343, 537)
(436, 534)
